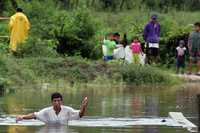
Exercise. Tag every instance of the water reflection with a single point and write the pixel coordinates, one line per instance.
(152, 106)
(56, 129)
(107, 102)
(151, 130)
(137, 106)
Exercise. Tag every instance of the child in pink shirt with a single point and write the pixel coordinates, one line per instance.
(136, 50)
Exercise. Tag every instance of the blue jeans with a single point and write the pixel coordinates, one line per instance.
(108, 58)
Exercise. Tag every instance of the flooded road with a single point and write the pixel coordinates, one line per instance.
(104, 102)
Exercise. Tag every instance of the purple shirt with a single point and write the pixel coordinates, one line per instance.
(152, 32)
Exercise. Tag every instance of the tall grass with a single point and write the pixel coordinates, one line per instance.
(19, 72)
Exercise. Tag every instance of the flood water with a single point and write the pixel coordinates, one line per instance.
(104, 102)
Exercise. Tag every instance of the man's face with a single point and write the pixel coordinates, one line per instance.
(181, 45)
(154, 21)
(111, 37)
(57, 102)
(118, 38)
(197, 28)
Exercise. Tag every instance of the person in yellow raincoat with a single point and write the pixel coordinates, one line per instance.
(19, 26)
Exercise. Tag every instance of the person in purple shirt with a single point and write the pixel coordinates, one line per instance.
(152, 38)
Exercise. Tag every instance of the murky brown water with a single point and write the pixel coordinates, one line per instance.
(105, 102)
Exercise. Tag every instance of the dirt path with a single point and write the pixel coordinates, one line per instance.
(190, 78)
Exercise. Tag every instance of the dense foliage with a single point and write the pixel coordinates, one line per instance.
(115, 5)
(75, 28)
(59, 26)
(30, 71)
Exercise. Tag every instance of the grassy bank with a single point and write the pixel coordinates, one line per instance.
(77, 32)
(18, 72)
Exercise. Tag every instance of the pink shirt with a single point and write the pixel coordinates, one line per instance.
(136, 48)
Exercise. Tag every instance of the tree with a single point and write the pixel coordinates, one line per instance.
(127, 2)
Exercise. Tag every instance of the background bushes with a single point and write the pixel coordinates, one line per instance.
(76, 29)
(73, 29)
(76, 36)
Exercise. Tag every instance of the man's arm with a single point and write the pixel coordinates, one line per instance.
(190, 43)
(25, 117)
(145, 32)
(83, 107)
(11, 22)
(176, 54)
(159, 29)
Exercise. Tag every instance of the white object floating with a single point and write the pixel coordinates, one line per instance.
(175, 119)
(10, 121)
(179, 118)
(124, 122)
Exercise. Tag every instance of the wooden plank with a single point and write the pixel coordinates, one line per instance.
(189, 78)
(179, 118)
(4, 18)
(4, 36)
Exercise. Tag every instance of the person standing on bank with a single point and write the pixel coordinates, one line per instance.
(152, 38)
(19, 26)
(194, 48)
(180, 57)
(57, 113)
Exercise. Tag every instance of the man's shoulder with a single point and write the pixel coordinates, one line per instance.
(194, 33)
(47, 108)
(106, 42)
(148, 24)
(66, 107)
(111, 43)
(114, 43)
(20, 15)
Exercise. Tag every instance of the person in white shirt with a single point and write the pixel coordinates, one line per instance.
(180, 56)
(57, 113)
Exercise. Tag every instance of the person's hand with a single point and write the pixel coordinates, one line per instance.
(19, 118)
(83, 107)
(84, 102)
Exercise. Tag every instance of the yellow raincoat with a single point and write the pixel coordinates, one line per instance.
(19, 26)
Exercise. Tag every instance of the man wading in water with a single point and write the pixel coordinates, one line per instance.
(57, 113)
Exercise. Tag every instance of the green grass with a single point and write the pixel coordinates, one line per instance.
(39, 62)
(16, 72)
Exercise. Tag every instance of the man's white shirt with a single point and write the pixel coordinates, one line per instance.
(153, 45)
(49, 116)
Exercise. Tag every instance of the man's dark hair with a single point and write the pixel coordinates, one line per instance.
(19, 9)
(197, 24)
(116, 34)
(56, 95)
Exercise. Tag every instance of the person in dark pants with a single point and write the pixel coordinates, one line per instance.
(152, 38)
(194, 48)
(180, 57)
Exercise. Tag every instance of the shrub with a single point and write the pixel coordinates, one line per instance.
(139, 75)
(76, 36)
(35, 47)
